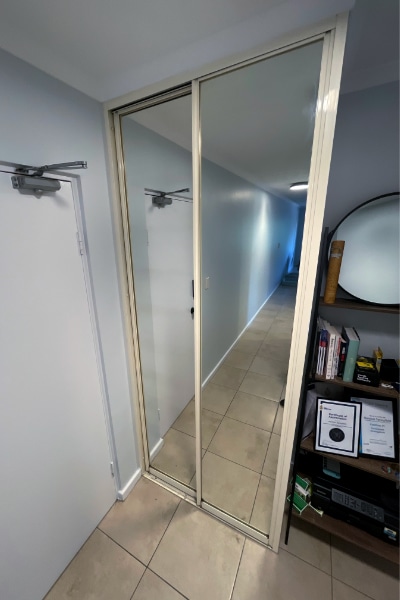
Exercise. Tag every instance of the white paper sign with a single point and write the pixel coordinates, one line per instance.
(377, 428)
(337, 427)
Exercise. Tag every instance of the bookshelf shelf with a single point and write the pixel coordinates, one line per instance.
(354, 305)
(370, 465)
(366, 389)
(352, 534)
(306, 457)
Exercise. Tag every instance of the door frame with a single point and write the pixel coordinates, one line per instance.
(333, 33)
(77, 195)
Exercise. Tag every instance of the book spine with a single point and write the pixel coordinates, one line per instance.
(323, 352)
(342, 357)
(330, 355)
(336, 355)
(352, 353)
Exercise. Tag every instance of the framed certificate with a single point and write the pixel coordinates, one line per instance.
(378, 437)
(337, 428)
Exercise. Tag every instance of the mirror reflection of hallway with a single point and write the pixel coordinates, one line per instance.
(246, 391)
(257, 126)
(158, 166)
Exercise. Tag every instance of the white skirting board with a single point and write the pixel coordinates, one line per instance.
(207, 379)
(156, 449)
(124, 493)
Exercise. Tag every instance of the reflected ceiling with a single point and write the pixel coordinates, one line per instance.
(270, 145)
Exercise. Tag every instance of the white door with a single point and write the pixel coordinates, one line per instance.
(56, 483)
(170, 252)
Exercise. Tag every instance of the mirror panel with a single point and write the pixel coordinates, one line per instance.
(158, 159)
(371, 258)
(257, 126)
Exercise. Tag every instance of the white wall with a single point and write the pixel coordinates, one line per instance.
(365, 164)
(365, 157)
(44, 121)
(249, 239)
(162, 251)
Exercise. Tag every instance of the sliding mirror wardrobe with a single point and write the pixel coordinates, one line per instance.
(156, 141)
(221, 253)
(257, 126)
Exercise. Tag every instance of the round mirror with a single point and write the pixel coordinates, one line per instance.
(370, 264)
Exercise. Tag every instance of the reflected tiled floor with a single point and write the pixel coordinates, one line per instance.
(241, 419)
(155, 546)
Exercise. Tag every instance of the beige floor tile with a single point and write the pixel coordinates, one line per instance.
(341, 591)
(198, 555)
(310, 544)
(139, 523)
(267, 366)
(364, 572)
(262, 385)
(229, 486)
(278, 420)
(248, 346)
(186, 423)
(177, 457)
(151, 587)
(101, 570)
(281, 336)
(261, 516)
(271, 309)
(253, 410)
(238, 359)
(261, 323)
(264, 575)
(217, 398)
(243, 444)
(271, 460)
(274, 350)
(253, 334)
(228, 376)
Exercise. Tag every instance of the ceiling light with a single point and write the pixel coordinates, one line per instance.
(300, 185)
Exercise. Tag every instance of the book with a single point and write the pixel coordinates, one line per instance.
(321, 345)
(331, 349)
(336, 355)
(350, 335)
(342, 357)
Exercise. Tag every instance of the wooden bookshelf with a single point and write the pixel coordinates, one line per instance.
(366, 389)
(339, 527)
(351, 534)
(371, 465)
(355, 305)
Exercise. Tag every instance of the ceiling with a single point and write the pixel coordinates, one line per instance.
(107, 48)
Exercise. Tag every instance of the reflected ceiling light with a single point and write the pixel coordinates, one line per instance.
(300, 185)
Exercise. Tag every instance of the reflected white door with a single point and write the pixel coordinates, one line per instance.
(170, 251)
(54, 453)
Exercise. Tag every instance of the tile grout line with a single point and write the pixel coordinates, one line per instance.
(238, 464)
(353, 588)
(122, 548)
(167, 583)
(165, 531)
(237, 570)
(138, 583)
(254, 502)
